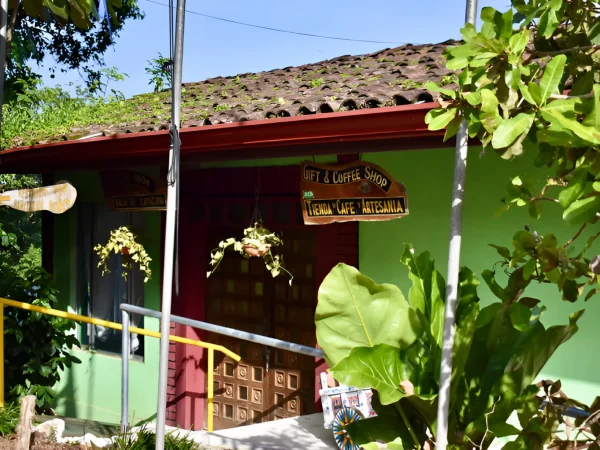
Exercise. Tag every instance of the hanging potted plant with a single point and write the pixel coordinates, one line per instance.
(123, 241)
(258, 242)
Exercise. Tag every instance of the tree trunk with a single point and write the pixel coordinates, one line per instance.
(25, 422)
(12, 23)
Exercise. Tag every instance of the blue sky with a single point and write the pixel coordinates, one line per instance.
(214, 48)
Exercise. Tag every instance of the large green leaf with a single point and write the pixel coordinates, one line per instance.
(587, 133)
(462, 346)
(511, 129)
(535, 349)
(387, 426)
(552, 75)
(519, 41)
(593, 118)
(427, 295)
(354, 311)
(582, 210)
(490, 117)
(575, 189)
(437, 119)
(382, 368)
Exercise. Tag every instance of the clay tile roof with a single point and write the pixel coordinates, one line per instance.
(389, 77)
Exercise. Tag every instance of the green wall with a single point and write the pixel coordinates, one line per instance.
(92, 389)
(427, 176)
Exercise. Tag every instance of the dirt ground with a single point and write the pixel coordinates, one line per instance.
(10, 444)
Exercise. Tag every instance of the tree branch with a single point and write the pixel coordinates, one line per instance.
(566, 97)
(566, 51)
(548, 199)
(12, 22)
(570, 241)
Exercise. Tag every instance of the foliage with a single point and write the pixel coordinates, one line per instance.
(498, 352)
(257, 242)
(36, 346)
(39, 111)
(512, 76)
(9, 419)
(144, 439)
(73, 33)
(124, 241)
(160, 71)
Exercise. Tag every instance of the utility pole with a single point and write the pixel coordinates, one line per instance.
(172, 205)
(3, 32)
(458, 192)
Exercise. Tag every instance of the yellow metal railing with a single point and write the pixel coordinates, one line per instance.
(115, 326)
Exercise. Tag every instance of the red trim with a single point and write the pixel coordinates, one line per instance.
(302, 135)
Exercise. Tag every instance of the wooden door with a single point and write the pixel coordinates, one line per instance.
(267, 384)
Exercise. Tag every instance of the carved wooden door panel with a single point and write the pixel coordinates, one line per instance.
(267, 384)
(291, 376)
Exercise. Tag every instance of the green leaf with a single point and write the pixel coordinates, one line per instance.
(507, 24)
(575, 189)
(548, 23)
(594, 32)
(487, 314)
(385, 427)
(535, 349)
(452, 128)
(529, 268)
(502, 251)
(535, 91)
(430, 86)
(462, 346)
(520, 316)
(511, 129)
(354, 311)
(437, 121)
(582, 210)
(490, 117)
(457, 63)
(552, 76)
(593, 118)
(473, 98)
(589, 134)
(519, 41)
(382, 368)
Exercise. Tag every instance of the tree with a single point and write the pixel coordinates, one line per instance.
(529, 82)
(71, 31)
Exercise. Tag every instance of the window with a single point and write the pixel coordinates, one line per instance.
(100, 296)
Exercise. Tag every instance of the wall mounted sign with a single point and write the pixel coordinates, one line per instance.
(57, 198)
(350, 192)
(133, 191)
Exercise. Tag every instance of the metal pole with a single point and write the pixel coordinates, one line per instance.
(230, 332)
(3, 31)
(125, 346)
(169, 253)
(458, 191)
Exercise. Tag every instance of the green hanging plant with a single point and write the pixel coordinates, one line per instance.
(123, 241)
(258, 242)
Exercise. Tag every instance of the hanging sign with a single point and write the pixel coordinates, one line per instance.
(350, 192)
(133, 191)
(56, 199)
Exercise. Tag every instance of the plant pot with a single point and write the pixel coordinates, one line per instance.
(254, 252)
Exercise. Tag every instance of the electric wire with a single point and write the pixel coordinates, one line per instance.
(262, 27)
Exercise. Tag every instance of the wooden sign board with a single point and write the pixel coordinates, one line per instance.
(350, 192)
(56, 199)
(133, 191)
